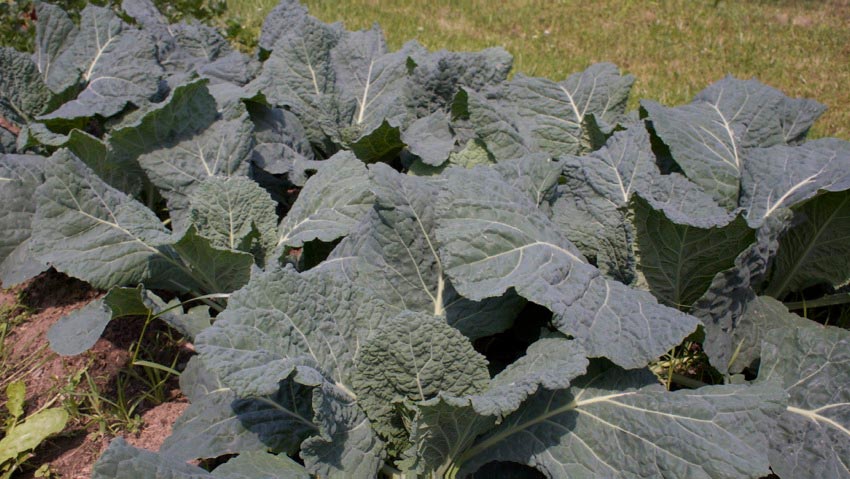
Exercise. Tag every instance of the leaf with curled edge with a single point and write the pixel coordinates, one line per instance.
(114, 63)
(623, 424)
(679, 257)
(782, 177)
(495, 238)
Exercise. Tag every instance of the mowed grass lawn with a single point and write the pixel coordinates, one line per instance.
(675, 48)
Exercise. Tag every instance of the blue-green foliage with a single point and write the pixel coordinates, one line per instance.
(419, 267)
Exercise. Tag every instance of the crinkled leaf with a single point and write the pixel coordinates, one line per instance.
(473, 154)
(441, 429)
(495, 238)
(299, 74)
(331, 203)
(550, 363)
(347, 446)
(722, 308)
(228, 210)
(414, 357)
(222, 149)
(281, 420)
(797, 118)
(595, 225)
(287, 16)
(369, 80)
(623, 424)
(217, 270)
(260, 465)
(625, 165)
(557, 111)
(437, 77)
(740, 347)
(209, 427)
(122, 461)
(535, 174)
(267, 329)
(811, 439)
(120, 171)
(23, 94)
(497, 127)
(382, 144)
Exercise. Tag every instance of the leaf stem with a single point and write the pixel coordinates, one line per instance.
(831, 300)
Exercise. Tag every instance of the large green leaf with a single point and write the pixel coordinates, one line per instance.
(497, 127)
(222, 149)
(120, 170)
(623, 424)
(783, 177)
(710, 137)
(122, 461)
(184, 141)
(299, 74)
(414, 357)
(394, 253)
(54, 33)
(331, 203)
(218, 422)
(438, 76)
(268, 329)
(678, 261)
(731, 317)
(115, 64)
(19, 178)
(430, 138)
(209, 427)
(228, 212)
(216, 270)
(369, 80)
(816, 249)
(811, 439)
(23, 94)
(495, 238)
(556, 112)
(347, 446)
(89, 230)
(281, 145)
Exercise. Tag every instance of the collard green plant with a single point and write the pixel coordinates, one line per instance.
(417, 267)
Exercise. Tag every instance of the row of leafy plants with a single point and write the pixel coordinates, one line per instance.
(406, 264)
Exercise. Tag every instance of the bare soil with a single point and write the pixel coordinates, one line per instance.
(59, 380)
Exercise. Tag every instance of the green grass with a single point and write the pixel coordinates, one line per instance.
(675, 48)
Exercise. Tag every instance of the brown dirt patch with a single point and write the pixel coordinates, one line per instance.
(58, 380)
